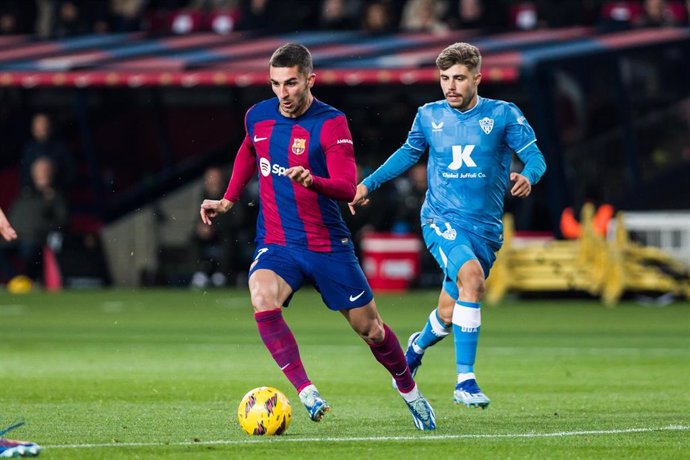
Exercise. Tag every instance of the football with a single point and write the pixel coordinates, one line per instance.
(264, 411)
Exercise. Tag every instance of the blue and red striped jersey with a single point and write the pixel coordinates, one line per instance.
(290, 214)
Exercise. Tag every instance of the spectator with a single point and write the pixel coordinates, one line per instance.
(127, 14)
(411, 191)
(378, 19)
(39, 211)
(255, 15)
(465, 14)
(45, 18)
(43, 145)
(69, 20)
(219, 247)
(336, 15)
(8, 23)
(16, 17)
(424, 16)
(656, 14)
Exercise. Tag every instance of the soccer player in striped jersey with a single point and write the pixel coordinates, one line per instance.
(304, 154)
(470, 141)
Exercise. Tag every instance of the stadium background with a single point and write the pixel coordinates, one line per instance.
(144, 110)
(146, 98)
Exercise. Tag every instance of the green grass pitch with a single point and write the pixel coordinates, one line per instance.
(159, 374)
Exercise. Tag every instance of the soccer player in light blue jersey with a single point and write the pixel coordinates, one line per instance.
(470, 141)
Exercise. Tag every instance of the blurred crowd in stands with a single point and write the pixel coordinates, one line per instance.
(220, 255)
(66, 18)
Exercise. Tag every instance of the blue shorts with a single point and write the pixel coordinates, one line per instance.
(452, 248)
(336, 275)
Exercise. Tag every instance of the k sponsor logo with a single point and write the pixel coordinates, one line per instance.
(462, 155)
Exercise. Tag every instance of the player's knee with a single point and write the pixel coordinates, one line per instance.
(262, 301)
(474, 285)
(372, 333)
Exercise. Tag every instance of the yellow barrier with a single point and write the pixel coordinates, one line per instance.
(590, 263)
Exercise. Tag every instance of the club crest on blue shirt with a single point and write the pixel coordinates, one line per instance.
(298, 145)
(487, 124)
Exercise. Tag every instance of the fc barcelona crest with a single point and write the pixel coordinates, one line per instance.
(298, 145)
(487, 124)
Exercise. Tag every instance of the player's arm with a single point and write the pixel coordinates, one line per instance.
(400, 161)
(336, 142)
(521, 139)
(243, 170)
(533, 170)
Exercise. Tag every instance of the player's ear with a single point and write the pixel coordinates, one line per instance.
(311, 79)
(478, 78)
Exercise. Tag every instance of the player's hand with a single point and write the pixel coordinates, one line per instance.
(6, 230)
(360, 198)
(211, 208)
(522, 187)
(300, 175)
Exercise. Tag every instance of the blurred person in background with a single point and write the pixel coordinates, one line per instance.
(39, 211)
(127, 15)
(655, 14)
(411, 192)
(465, 14)
(218, 246)
(424, 16)
(70, 20)
(378, 18)
(470, 141)
(338, 15)
(41, 145)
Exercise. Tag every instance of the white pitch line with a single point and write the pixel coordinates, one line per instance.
(420, 437)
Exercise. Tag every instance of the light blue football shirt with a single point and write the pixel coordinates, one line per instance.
(469, 162)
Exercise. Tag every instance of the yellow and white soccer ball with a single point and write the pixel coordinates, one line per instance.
(264, 411)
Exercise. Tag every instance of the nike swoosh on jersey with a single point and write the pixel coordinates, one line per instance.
(353, 298)
(258, 139)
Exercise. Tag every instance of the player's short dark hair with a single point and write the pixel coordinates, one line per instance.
(293, 54)
(460, 53)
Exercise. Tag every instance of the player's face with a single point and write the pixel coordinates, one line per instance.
(293, 89)
(459, 86)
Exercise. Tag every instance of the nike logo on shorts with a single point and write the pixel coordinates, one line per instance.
(353, 298)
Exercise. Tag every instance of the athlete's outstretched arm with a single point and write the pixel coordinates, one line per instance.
(402, 159)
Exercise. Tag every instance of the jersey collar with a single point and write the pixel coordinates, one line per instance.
(469, 112)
